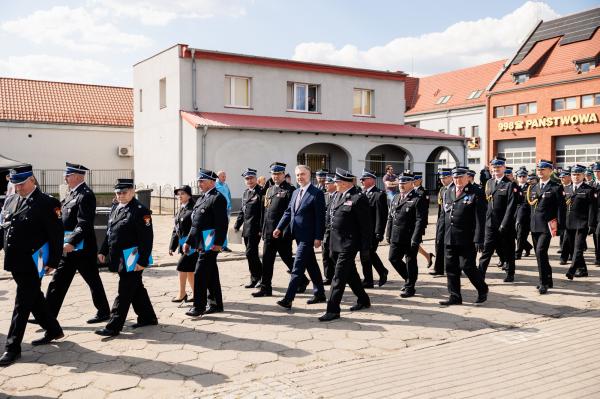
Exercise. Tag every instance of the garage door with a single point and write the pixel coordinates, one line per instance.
(518, 152)
(583, 149)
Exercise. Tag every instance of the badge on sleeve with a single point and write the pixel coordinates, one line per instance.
(58, 212)
(148, 220)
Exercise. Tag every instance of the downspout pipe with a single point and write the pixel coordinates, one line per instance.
(194, 100)
(203, 160)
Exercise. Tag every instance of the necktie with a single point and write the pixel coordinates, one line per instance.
(299, 199)
(20, 202)
(542, 186)
(459, 191)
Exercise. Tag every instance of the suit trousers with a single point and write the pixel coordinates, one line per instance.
(207, 285)
(504, 243)
(63, 276)
(345, 273)
(541, 242)
(132, 292)
(522, 243)
(566, 246)
(328, 265)
(254, 263)
(577, 238)
(372, 262)
(305, 260)
(272, 247)
(597, 247)
(408, 270)
(439, 264)
(29, 299)
(462, 257)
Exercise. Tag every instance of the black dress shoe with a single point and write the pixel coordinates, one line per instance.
(481, 298)
(107, 332)
(509, 278)
(285, 303)
(32, 321)
(430, 263)
(98, 319)
(569, 276)
(329, 316)
(527, 253)
(562, 262)
(145, 323)
(179, 300)
(262, 292)
(581, 273)
(383, 278)
(403, 288)
(434, 273)
(194, 312)
(451, 301)
(9, 358)
(543, 289)
(251, 284)
(213, 309)
(47, 338)
(359, 306)
(327, 282)
(367, 284)
(317, 299)
(408, 292)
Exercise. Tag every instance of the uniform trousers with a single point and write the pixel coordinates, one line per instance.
(206, 281)
(408, 270)
(504, 243)
(254, 263)
(373, 261)
(541, 242)
(131, 292)
(345, 273)
(522, 243)
(577, 237)
(462, 257)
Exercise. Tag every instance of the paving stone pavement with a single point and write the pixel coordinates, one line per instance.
(254, 342)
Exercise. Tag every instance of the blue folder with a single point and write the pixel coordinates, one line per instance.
(182, 241)
(208, 240)
(40, 258)
(130, 258)
(78, 246)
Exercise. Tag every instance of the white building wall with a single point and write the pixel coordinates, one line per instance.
(269, 92)
(451, 120)
(49, 146)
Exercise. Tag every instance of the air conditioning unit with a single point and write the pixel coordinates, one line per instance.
(125, 151)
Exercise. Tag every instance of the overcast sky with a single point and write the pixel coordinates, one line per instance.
(97, 41)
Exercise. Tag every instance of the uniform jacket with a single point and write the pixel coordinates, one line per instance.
(597, 188)
(546, 204)
(276, 201)
(78, 214)
(183, 225)
(350, 224)
(582, 207)
(250, 215)
(210, 212)
(307, 223)
(407, 218)
(329, 200)
(523, 212)
(26, 229)
(129, 226)
(378, 210)
(439, 225)
(464, 216)
(502, 204)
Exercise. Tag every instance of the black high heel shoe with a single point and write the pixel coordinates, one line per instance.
(184, 299)
(431, 256)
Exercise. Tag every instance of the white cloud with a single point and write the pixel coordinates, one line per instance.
(160, 12)
(76, 29)
(48, 67)
(463, 44)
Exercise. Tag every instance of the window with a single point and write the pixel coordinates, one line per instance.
(443, 99)
(561, 104)
(162, 92)
(461, 131)
(590, 100)
(527, 108)
(474, 161)
(474, 131)
(303, 97)
(140, 100)
(566, 157)
(475, 94)
(314, 161)
(363, 102)
(507, 110)
(376, 163)
(519, 158)
(237, 92)
(520, 77)
(585, 66)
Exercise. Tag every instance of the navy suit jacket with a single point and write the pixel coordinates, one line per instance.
(308, 222)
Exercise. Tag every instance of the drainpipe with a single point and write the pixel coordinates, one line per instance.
(194, 101)
(203, 160)
(180, 172)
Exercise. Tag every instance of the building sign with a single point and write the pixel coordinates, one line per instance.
(549, 121)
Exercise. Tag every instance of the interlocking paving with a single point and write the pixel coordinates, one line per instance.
(257, 349)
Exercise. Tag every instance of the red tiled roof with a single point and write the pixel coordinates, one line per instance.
(539, 50)
(558, 67)
(276, 123)
(23, 100)
(459, 84)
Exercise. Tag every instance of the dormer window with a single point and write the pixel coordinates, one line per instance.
(443, 99)
(585, 66)
(521, 77)
(475, 94)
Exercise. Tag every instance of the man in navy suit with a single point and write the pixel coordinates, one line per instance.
(306, 217)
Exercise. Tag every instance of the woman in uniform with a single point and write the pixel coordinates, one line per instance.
(183, 223)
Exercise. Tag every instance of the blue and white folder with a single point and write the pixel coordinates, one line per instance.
(208, 240)
(40, 258)
(130, 258)
(182, 241)
(78, 246)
